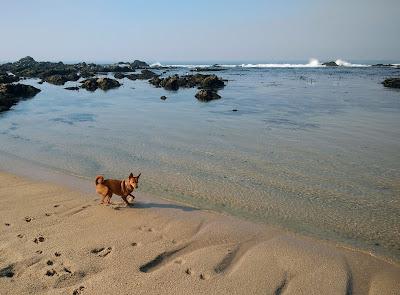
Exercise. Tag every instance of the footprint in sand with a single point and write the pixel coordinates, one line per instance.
(55, 206)
(101, 252)
(7, 224)
(179, 261)
(78, 291)
(57, 254)
(28, 219)
(39, 239)
(204, 276)
(50, 272)
(49, 262)
(134, 244)
(39, 251)
(20, 236)
(188, 271)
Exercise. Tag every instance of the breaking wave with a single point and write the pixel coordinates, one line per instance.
(313, 63)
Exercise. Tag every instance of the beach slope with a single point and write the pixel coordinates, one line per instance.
(54, 240)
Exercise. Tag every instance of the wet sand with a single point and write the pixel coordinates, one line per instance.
(55, 240)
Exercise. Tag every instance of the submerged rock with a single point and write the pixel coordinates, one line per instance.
(207, 95)
(163, 97)
(10, 94)
(72, 88)
(392, 83)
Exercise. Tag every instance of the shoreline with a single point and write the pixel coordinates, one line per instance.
(36, 172)
(176, 241)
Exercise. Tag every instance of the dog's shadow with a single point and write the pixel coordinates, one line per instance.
(144, 205)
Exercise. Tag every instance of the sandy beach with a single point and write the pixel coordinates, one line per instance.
(55, 240)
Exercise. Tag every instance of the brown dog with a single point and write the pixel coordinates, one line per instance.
(124, 188)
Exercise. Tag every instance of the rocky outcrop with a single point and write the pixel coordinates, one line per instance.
(392, 83)
(188, 81)
(119, 76)
(102, 83)
(212, 82)
(144, 75)
(138, 64)
(330, 64)
(6, 78)
(10, 94)
(207, 95)
(208, 69)
(58, 73)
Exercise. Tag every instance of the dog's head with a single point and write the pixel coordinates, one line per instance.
(134, 180)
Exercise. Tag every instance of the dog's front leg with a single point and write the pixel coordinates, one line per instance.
(132, 195)
(126, 201)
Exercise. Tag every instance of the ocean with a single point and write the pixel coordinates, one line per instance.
(309, 148)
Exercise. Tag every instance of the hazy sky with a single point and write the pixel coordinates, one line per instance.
(214, 30)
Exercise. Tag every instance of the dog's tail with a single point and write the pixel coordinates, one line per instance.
(99, 179)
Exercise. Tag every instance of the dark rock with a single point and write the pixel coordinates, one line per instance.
(207, 95)
(132, 77)
(144, 75)
(208, 69)
(147, 74)
(137, 64)
(72, 88)
(87, 74)
(155, 81)
(10, 94)
(26, 62)
(40, 82)
(392, 83)
(382, 65)
(56, 79)
(90, 84)
(188, 81)
(234, 110)
(330, 64)
(119, 76)
(103, 83)
(163, 97)
(171, 83)
(6, 78)
(212, 82)
(107, 83)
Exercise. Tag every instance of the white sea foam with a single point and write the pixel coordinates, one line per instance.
(344, 63)
(313, 63)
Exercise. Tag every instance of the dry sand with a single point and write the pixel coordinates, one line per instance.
(54, 240)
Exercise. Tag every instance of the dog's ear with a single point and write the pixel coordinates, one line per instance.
(131, 175)
(139, 175)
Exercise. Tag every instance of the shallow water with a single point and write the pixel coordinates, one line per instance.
(315, 150)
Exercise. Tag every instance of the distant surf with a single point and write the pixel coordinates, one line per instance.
(313, 63)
